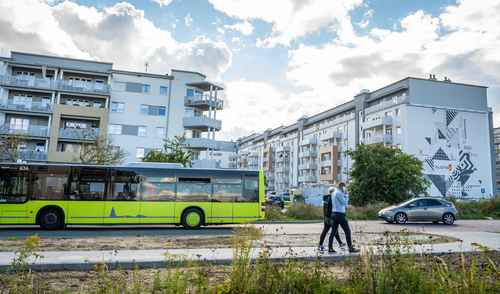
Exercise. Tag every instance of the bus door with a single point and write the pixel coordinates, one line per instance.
(122, 205)
(14, 195)
(157, 199)
(246, 207)
(225, 192)
(86, 191)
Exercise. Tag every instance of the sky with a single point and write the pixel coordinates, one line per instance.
(278, 59)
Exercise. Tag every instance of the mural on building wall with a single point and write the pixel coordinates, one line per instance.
(449, 159)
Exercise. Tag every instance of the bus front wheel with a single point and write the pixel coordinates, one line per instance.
(192, 218)
(51, 219)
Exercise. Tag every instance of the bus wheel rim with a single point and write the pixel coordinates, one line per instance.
(193, 219)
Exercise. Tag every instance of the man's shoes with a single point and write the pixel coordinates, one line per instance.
(330, 250)
(321, 248)
(353, 250)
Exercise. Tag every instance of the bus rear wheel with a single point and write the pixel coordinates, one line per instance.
(51, 219)
(192, 218)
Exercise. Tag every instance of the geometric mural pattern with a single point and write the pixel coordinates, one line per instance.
(440, 155)
(440, 182)
(450, 116)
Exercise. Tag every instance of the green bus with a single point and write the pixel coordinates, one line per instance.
(55, 195)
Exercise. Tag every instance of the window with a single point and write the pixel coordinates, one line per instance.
(49, 183)
(189, 92)
(13, 186)
(137, 87)
(163, 91)
(139, 152)
(226, 190)
(146, 88)
(432, 202)
(193, 190)
(19, 124)
(158, 189)
(160, 132)
(153, 110)
(117, 107)
(141, 131)
(398, 130)
(125, 186)
(396, 112)
(115, 129)
(88, 184)
(250, 190)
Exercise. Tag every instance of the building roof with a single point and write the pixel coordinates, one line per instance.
(205, 85)
(191, 72)
(143, 74)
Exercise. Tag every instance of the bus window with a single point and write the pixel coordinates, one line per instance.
(88, 185)
(13, 186)
(191, 189)
(250, 190)
(125, 186)
(158, 189)
(49, 183)
(226, 190)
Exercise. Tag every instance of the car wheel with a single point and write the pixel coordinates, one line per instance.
(192, 218)
(400, 218)
(448, 219)
(51, 219)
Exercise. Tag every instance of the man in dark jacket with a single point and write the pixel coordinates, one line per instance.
(328, 220)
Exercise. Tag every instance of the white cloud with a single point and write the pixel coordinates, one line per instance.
(245, 28)
(162, 2)
(118, 33)
(188, 20)
(367, 16)
(292, 19)
(461, 43)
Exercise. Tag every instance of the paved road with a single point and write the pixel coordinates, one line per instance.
(460, 228)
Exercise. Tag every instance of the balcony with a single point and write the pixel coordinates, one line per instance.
(205, 143)
(327, 162)
(308, 166)
(309, 141)
(386, 104)
(308, 153)
(203, 102)
(26, 107)
(307, 179)
(331, 135)
(79, 134)
(379, 139)
(201, 122)
(51, 84)
(32, 155)
(378, 122)
(31, 131)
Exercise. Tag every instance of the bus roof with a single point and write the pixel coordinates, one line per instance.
(148, 165)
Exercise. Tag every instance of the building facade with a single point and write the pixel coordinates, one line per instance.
(57, 104)
(446, 125)
(496, 134)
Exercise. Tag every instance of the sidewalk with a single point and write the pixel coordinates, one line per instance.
(125, 259)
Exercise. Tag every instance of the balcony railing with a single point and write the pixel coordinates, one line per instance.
(201, 122)
(379, 139)
(327, 162)
(308, 153)
(308, 165)
(309, 141)
(307, 178)
(378, 122)
(31, 131)
(386, 104)
(30, 107)
(79, 134)
(204, 101)
(51, 84)
(33, 155)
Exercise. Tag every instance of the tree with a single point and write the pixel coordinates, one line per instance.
(385, 174)
(101, 152)
(172, 151)
(9, 147)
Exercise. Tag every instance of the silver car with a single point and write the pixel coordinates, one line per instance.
(420, 209)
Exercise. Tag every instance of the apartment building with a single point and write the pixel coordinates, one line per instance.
(57, 104)
(446, 125)
(496, 134)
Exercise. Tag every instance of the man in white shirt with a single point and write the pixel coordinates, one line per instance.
(340, 200)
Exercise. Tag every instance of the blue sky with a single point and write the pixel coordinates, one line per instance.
(278, 59)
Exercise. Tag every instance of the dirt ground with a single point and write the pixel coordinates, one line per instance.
(170, 242)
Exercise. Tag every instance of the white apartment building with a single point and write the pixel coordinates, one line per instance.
(446, 125)
(59, 103)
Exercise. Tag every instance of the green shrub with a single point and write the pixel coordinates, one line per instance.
(478, 209)
(301, 211)
(368, 212)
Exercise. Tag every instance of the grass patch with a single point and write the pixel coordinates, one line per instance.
(488, 208)
(390, 271)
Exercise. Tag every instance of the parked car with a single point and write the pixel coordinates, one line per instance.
(275, 201)
(420, 209)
